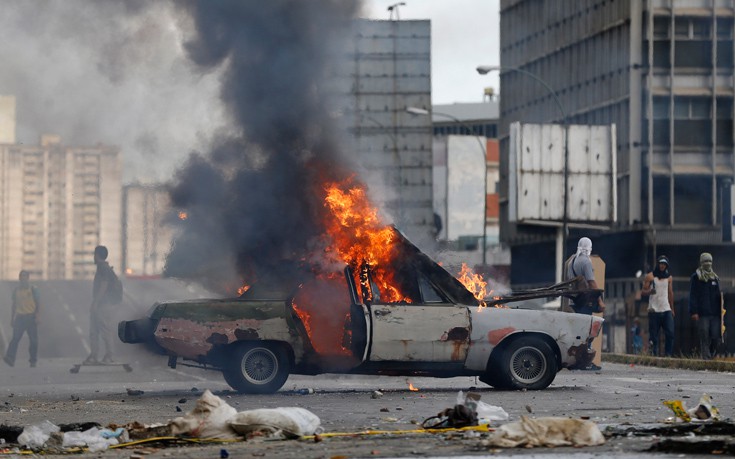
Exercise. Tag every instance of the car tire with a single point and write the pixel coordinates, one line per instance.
(257, 368)
(527, 362)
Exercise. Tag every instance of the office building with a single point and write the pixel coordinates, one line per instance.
(385, 69)
(662, 72)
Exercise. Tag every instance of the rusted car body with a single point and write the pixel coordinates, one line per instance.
(336, 325)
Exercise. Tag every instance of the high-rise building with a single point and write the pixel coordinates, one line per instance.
(7, 119)
(146, 236)
(56, 204)
(662, 72)
(387, 68)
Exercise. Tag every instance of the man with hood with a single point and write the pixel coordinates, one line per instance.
(658, 286)
(705, 305)
(581, 265)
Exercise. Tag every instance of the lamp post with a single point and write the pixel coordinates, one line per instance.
(561, 239)
(423, 112)
(394, 7)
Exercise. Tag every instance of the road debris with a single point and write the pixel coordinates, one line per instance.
(703, 412)
(134, 392)
(376, 394)
(548, 431)
(469, 410)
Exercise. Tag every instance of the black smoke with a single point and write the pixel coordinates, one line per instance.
(253, 201)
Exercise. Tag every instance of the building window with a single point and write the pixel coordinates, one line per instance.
(692, 199)
(701, 28)
(661, 200)
(724, 28)
(661, 27)
(692, 108)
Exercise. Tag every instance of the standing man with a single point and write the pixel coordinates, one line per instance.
(102, 309)
(705, 305)
(581, 265)
(26, 308)
(658, 286)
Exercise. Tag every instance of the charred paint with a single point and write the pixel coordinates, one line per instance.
(458, 334)
(246, 334)
(495, 336)
(217, 339)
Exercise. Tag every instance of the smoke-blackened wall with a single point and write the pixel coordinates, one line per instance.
(255, 199)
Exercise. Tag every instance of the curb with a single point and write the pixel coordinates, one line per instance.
(667, 362)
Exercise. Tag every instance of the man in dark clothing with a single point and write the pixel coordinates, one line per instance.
(26, 308)
(705, 305)
(101, 312)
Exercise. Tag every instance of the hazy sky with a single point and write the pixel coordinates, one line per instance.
(464, 34)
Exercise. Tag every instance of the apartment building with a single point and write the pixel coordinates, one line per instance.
(146, 236)
(57, 203)
(662, 72)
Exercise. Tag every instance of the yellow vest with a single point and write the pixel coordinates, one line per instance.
(24, 301)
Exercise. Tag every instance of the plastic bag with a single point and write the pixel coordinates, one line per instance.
(208, 419)
(92, 438)
(292, 421)
(485, 413)
(35, 436)
(704, 411)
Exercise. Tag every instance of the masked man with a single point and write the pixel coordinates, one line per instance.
(705, 305)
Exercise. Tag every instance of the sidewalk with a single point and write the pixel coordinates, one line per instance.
(666, 362)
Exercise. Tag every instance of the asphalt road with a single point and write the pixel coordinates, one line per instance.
(619, 394)
(64, 322)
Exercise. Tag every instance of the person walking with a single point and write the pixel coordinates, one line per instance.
(102, 310)
(705, 305)
(658, 286)
(26, 309)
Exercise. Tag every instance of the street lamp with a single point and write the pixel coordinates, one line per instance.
(423, 112)
(394, 7)
(561, 251)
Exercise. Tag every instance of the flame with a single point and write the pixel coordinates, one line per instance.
(183, 215)
(243, 289)
(411, 387)
(323, 307)
(474, 283)
(360, 238)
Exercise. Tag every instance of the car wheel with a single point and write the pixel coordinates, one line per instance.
(527, 363)
(257, 368)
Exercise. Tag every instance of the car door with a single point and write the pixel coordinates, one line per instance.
(431, 330)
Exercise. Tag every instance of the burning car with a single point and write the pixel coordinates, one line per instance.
(416, 319)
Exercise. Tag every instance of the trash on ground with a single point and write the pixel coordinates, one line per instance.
(549, 431)
(469, 410)
(485, 413)
(208, 419)
(134, 392)
(35, 436)
(704, 411)
(95, 439)
(291, 422)
(376, 394)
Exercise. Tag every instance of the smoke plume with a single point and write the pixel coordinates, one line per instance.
(254, 200)
(109, 71)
